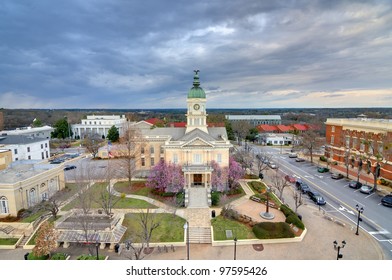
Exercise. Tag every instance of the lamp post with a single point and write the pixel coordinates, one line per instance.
(97, 245)
(186, 228)
(338, 247)
(360, 211)
(235, 248)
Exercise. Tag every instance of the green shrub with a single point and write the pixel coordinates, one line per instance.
(236, 190)
(323, 158)
(90, 257)
(31, 256)
(251, 176)
(257, 186)
(215, 198)
(270, 230)
(59, 256)
(286, 210)
(293, 219)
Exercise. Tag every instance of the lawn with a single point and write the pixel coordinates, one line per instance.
(221, 224)
(171, 228)
(123, 203)
(8, 241)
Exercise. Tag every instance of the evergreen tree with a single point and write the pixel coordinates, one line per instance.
(61, 129)
(113, 134)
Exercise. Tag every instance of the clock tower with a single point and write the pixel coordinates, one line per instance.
(196, 107)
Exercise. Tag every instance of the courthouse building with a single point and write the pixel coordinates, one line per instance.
(98, 124)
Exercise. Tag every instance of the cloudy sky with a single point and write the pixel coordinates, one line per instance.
(133, 54)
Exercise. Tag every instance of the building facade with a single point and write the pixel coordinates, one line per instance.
(256, 120)
(23, 185)
(361, 138)
(98, 125)
(26, 147)
(5, 158)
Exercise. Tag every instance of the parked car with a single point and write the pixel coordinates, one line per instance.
(366, 189)
(316, 197)
(290, 178)
(337, 176)
(355, 185)
(299, 159)
(57, 161)
(293, 155)
(272, 165)
(301, 186)
(322, 169)
(69, 167)
(387, 200)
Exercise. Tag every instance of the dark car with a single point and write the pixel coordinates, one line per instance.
(387, 200)
(299, 159)
(69, 167)
(355, 185)
(303, 187)
(316, 197)
(57, 161)
(337, 176)
(322, 169)
(366, 189)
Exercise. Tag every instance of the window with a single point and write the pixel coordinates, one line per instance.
(28, 149)
(332, 139)
(161, 149)
(44, 196)
(42, 146)
(15, 151)
(175, 158)
(152, 161)
(371, 145)
(46, 145)
(32, 199)
(347, 141)
(29, 157)
(4, 205)
(152, 150)
(362, 145)
(143, 162)
(380, 148)
(219, 158)
(47, 154)
(197, 158)
(16, 159)
(42, 155)
(333, 128)
(142, 150)
(355, 139)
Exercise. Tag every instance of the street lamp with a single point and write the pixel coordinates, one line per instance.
(186, 228)
(97, 245)
(338, 247)
(360, 211)
(235, 248)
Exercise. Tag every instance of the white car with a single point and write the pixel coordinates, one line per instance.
(293, 155)
(272, 165)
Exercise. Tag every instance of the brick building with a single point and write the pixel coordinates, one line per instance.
(357, 140)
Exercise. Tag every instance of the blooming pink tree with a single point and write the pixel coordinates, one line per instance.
(166, 177)
(218, 177)
(235, 173)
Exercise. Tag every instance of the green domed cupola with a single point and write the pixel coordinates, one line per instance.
(196, 91)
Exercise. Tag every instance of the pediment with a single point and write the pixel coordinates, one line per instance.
(197, 142)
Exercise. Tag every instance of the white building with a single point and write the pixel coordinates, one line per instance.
(256, 120)
(277, 139)
(26, 147)
(98, 125)
(42, 132)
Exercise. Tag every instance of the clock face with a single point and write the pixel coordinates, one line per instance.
(196, 106)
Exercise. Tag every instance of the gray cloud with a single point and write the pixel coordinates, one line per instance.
(131, 54)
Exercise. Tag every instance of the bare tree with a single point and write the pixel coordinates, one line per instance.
(298, 201)
(279, 183)
(129, 151)
(245, 159)
(241, 129)
(262, 160)
(53, 203)
(93, 143)
(310, 142)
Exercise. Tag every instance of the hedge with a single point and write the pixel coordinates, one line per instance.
(293, 219)
(270, 230)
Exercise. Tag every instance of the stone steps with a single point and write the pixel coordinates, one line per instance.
(200, 235)
(24, 241)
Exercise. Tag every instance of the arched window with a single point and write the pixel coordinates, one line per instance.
(4, 205)
(32, 197)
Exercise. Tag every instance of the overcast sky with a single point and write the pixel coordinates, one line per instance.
(141, 54)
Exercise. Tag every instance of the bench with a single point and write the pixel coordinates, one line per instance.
(254, 198)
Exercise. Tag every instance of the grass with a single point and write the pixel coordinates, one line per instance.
(33, 217)
(270, 230)
(124, 203)
(8, 241)
(138, 188)
(171, 228)
(221, 224)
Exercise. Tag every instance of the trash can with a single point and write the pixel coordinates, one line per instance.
(299, 217)
(213, 213)
(116, 247)
(26, 255)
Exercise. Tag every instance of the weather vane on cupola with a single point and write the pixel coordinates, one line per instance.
(196, 71)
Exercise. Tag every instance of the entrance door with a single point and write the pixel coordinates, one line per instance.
(197, 179)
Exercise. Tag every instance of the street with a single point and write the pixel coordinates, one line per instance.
(341, 200)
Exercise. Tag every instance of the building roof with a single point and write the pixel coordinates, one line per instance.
(299, 127)
(253, 117)
(20, 139)
(23, 170)
(196, 91)
(266, 128)
(154, 121)
(24, 130)
(284, 128)
(177, 124)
